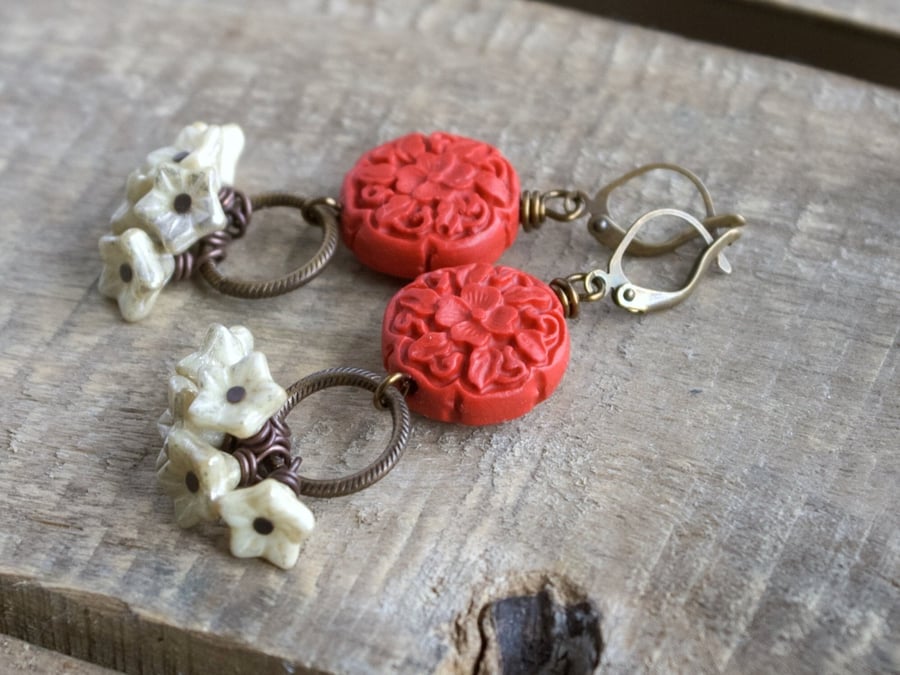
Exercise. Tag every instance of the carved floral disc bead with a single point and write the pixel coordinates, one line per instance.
(484, 344)
(421, 202)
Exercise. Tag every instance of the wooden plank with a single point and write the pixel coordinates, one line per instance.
(718, 480)
(876, 14)
(21, 657)
(805, 31)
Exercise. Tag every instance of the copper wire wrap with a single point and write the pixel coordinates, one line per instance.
(267, 454)
(534, 208)
(210, 251)
(238, 211)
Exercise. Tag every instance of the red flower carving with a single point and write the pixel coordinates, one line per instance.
(424, 202)
(484, 344)
(476, 315)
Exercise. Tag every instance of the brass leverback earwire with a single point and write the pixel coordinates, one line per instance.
(607, 232)
(614, 282)
(639, 299)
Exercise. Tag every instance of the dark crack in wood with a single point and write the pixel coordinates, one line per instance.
(536, 634)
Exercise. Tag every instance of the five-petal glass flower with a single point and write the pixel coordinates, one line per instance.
(267, 521)
(225, 388)
(134, 272)
(196, 475)
(183, 206)
(236, 399)
(198, 146)
(172, 200)
(221, 347)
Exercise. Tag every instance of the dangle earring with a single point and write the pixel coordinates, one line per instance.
(412, 205)
(180, 214)
(485, 344)
(227, 450)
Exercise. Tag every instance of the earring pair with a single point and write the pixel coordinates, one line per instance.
(469, 343)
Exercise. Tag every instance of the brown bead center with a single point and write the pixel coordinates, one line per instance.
(126, 274)
(263, 525)
(191, 481)
(180, 156)
(235, 394)
(182, 203)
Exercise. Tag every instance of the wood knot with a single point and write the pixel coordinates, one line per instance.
(531, 623)
(536, 634)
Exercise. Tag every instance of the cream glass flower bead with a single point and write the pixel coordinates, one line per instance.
(236, 399)
(202, 146)
(268, 521)
(134, 272)
(197, 146)
(195, 475)
(182, 393)
(253, 483)
(221, 347)
(182, 208)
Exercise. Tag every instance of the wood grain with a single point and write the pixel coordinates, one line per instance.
(877, 14)
(719, 479)
(18, 658)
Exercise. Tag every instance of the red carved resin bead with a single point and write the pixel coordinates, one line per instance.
(424, 202)
(484, 344)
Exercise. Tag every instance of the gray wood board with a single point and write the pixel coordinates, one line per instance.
(18, 657)
(720, 479)
(881, 15)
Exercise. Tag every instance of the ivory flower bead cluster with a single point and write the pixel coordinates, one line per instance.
(171, 202)
(225, 390)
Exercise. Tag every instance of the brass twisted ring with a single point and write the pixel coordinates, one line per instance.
(319, 212)
(392, 399)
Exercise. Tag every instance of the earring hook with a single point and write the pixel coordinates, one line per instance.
(610, 234)
(613, 282)
(640, 299)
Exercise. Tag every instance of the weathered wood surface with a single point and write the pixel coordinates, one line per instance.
(878, 14)
(719, 479)
(18, 658)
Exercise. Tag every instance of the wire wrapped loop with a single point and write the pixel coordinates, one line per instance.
(568, 297)
(593, 288)
(238, 208)
(532, 210)
(265, 453)
(535, 209)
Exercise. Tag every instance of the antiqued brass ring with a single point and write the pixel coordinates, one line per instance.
(392, 399)
(319, 212)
